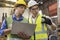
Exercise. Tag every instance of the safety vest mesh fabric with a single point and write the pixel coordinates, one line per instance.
(41, 29)
(9, 22)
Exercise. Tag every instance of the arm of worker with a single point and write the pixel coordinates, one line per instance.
(53, 26)
(49, 22)
(7, 31)
(3, 29)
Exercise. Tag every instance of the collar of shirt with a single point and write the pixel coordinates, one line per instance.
(15, 19)
(34, 19)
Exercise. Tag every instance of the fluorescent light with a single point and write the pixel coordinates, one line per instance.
(9, 5)
(12, 0)
(58, 3)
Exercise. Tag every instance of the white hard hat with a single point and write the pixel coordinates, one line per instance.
(32, 3)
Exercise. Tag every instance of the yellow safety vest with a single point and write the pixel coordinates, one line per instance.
(41, 29)
(9, 21)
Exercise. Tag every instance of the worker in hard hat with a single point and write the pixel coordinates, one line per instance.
(41, 21)
(6, 28)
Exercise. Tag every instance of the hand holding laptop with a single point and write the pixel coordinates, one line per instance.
(23, 35)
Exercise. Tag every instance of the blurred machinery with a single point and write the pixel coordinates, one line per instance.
(58, 28)
(48, 7)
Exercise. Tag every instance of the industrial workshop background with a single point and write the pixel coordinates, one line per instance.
(47, 7)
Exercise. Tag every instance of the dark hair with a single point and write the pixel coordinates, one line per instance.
(30, 7)
(19, 5)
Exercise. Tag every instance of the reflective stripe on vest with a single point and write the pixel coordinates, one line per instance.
(41, 29)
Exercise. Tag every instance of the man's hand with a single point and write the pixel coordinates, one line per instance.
(47, 20)
(7, 31)
(23, 35)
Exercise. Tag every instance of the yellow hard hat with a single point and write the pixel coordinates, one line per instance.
(20, 2)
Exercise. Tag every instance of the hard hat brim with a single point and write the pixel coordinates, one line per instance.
(17, 5)
(33, 5)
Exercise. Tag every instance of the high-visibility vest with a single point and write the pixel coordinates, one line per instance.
(9, 22)
(41, 29)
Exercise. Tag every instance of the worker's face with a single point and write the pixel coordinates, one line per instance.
(19, 10)
(34, 10)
